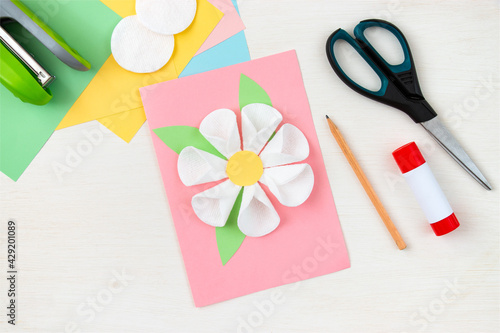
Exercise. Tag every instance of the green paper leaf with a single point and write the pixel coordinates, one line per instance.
(251, 92)
(179, 137)
(230, 237)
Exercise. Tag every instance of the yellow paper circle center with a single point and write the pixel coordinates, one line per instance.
(244, 168)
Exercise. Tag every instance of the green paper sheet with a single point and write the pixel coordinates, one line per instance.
(86, 25)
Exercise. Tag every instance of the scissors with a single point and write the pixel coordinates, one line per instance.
(399, 88)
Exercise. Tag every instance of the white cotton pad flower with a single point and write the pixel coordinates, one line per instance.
(263, 160)
(138, 49)
(166, 16)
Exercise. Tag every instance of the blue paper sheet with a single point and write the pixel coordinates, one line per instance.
(235, 3)
(233, 50)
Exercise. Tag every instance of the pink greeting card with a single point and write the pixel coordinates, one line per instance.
(245, 178)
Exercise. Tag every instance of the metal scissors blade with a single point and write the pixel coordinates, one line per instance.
(441, 134)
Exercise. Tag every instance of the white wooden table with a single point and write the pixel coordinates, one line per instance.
(98, 250)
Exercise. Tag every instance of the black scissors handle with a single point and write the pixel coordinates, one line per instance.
(399, 88)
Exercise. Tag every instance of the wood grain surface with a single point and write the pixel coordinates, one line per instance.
(97, 250)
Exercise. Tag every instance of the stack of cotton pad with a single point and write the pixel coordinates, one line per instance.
(144, 43)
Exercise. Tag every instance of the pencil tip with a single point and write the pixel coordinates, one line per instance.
(327, 116)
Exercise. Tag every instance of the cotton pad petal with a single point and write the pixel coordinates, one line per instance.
(289, 145)
(166, 16)
(221, 130)
(138, 49)
(214, 205)
(258, 122)
(257, 215)
(196, 167)
(290, 184)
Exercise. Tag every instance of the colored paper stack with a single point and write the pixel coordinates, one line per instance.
(108, 93)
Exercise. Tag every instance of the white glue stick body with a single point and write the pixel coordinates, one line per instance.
(429, 195)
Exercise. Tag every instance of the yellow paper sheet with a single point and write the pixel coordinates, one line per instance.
(123, 8)
(125, 124)
(112, 97)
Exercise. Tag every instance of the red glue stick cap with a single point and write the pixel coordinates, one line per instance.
(446, 225)
(408, 157)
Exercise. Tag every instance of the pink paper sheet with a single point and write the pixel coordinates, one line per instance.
(309, 240)
(229, 25)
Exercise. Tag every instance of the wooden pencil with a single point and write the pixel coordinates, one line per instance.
(366, 185)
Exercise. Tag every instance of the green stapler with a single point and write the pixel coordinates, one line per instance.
(19, 71)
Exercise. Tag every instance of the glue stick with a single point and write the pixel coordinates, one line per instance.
(426, 189)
